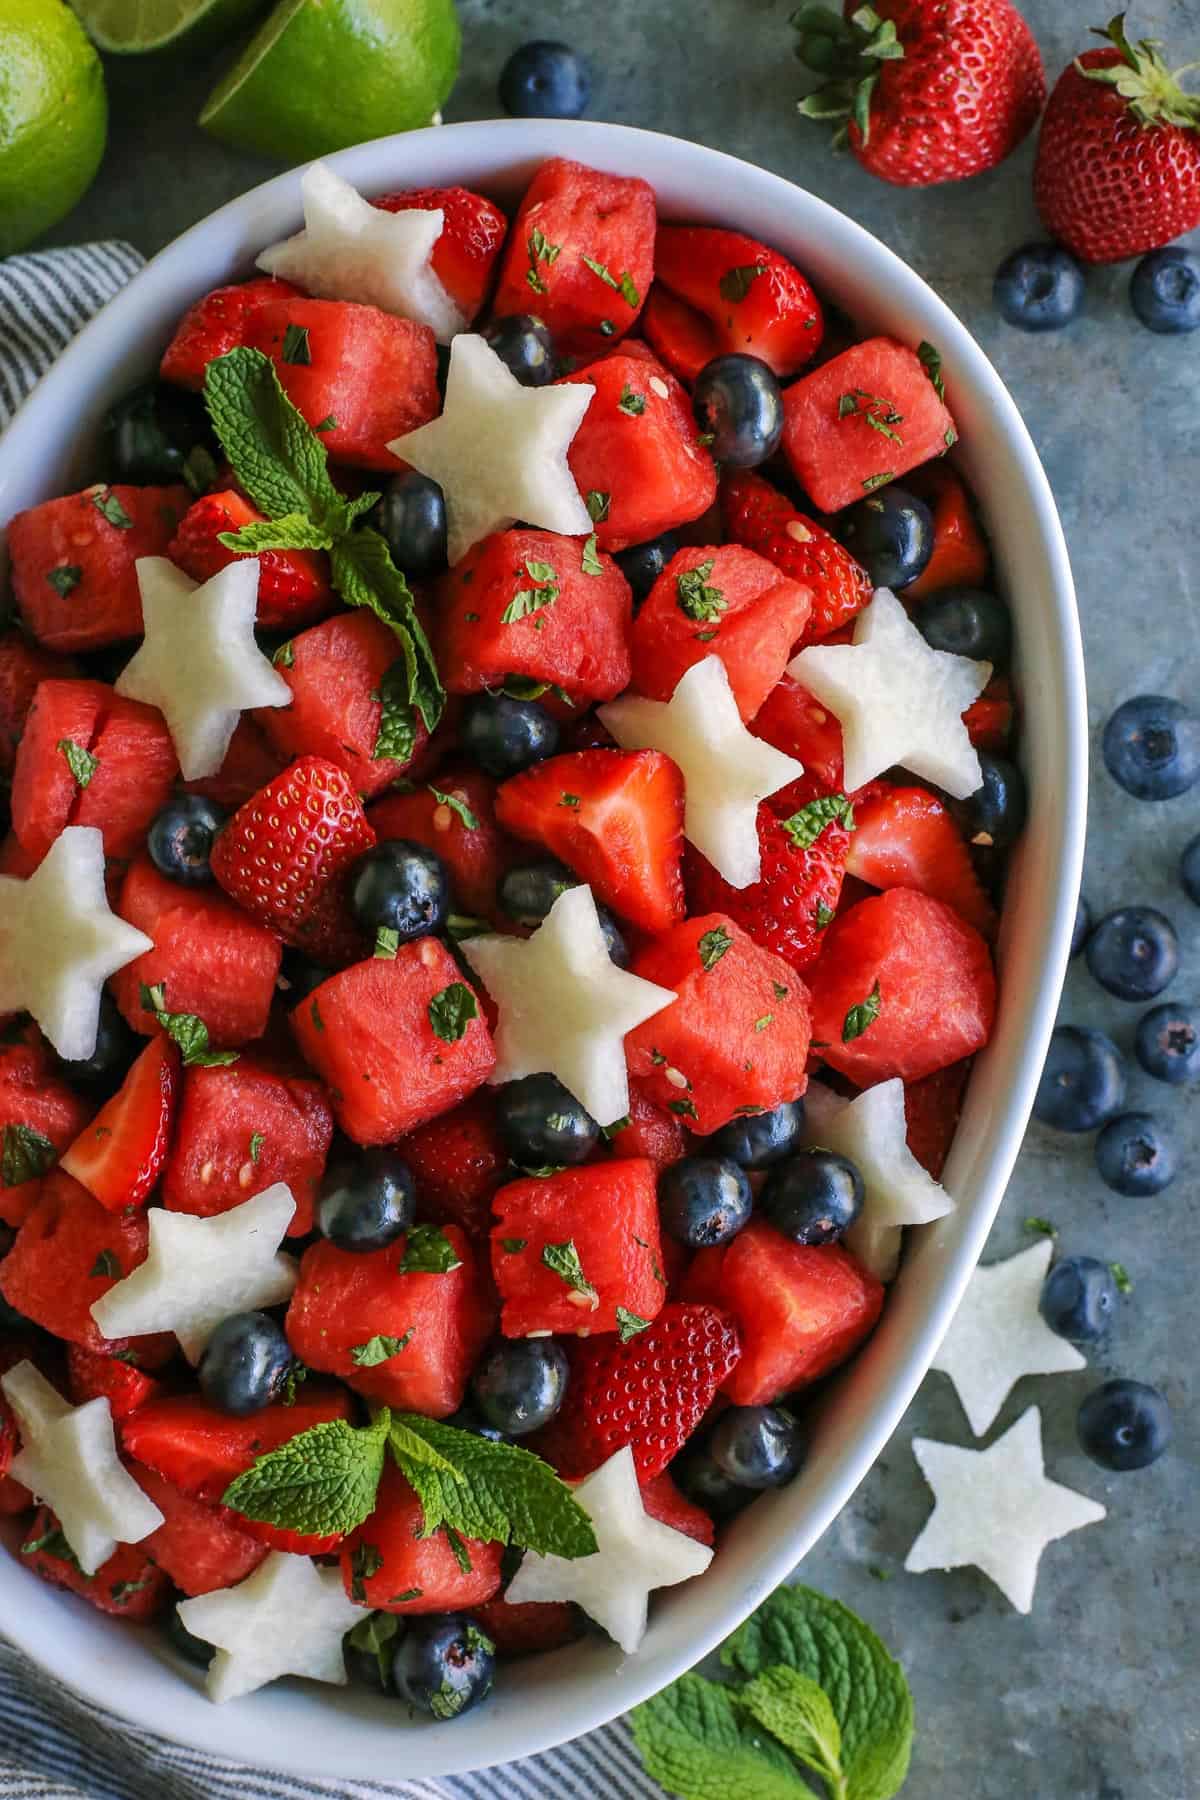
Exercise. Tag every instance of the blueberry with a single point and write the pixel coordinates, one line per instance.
(891, 534)
(151, 433)
(814, 1197)
(701, 1481)
(116, 1047)
(995, 813)
(541, 1123)
(467, 1419)
(401, 886)
(180, 839)
(545, 80)
(967, 622)
(644, 563)
(444, 1664)
(1168, 1042)
(1079, 1299)
(757, 1446)
(524, 346)
(298, 976)
(704, 1200)
(738, 404)
(1135, 1156)
(505, 736)
(520, 1383)
(245, 1364)
(1189, 870)
(1039, 288)
(756, 1140)
(1125, 1425)
(366, 1201)
(1164, 290)
(411, 515)
(1081, 930)
(528, 891)
(1133, 952)
(1083, 1081)
(1151, 747)
(188, 1645)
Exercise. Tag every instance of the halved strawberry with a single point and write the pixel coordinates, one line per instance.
(119, 1156)
(293, 585)
(91, 1375)
(931, 1109)
(760, 517)
(650, 1392)
(960, 553)
(523, 1627)
(613, 816)
(989, 720)
(215, 324)
(905, 837)
(285, 855)
(473, 232)
(751, 299)
(803, 861)
(795, 721)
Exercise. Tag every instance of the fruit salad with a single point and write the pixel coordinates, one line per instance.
(509, 786)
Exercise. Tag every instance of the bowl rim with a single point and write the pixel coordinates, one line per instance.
(430, 1751)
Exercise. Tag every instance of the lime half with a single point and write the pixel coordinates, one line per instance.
(135, 27)
(321, 74)
(53, 117)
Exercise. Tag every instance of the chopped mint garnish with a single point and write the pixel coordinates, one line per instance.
(1041, 1227)
(861, 1016)
(629, 1324)
(451, 1011)
(879, 413)
(591, 560)
(712, 946)
(824, 915)
(1120, 1275)
(570, 800)
(563, 1261)
(805, 827)
(631, 402)
(931, 362)
(366, 1560)
(540, 251)
(461, 1553)
(108, 1265)
(65, 578)
(598, 504)
(257, 1140)
(880, 480)
(513, 1246)
(457, 805)
(387, 942)
(428, 1251)
(683, 1109)
(694, 597)
(186, 1030)
(328, 423)
(296, 346)
(285, 656)
(532, 599)
(121, 1591)
(379, 1349)
(81, 762)
(110, 508)
(735, 284)
(25, 1155)
(767, 1019)
(51, 1543)
(625, 286)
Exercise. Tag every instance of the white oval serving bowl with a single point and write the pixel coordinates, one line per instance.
(543, 1701)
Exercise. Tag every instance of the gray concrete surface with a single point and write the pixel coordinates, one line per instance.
(1094, 1696)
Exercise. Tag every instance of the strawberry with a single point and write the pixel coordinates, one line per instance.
(989, 720)
(650, 1392)
(1118, 159)
(119, 1156)
(91, 1376)
(905, 837)
(663, 1501)
(293, 585)
(473, 232)
(285, 854)
(459, 1162)
(214, 325)
(760, 517)
(960, 554)
(930, 90)
(787, 909)
(519, 1628)
(931, 1109)
(717, 292)
(795, 721)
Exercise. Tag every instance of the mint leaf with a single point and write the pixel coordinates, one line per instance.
(65, 578)
(591, 560)
(285, 656)
(524, 687)
(462, 1555)
(376, 1637)
(735, 284)
(257, 1140)
(387, 942)
(511, 1246)
(712, 946)
(861, 1016)
(694, 1740)
(563, 1261)
(1041, 1227)
(25, 1155)
(379, 1349)
(110, 508)
(629, 1324)
(805, 827)
(456, 805)
(275, 454)
(488, 1490)
(396, 738)
(1122, 1277)
(121, 1591)
(296, 346)
(683, 1109)
(797, 1711)
(539, 250)
(106, 1265)
(428, 1251)
(188, 1031)
(879, 414)
(321, 1482)
(631, 402)
(451, 1011)
(461, 926)
(879, 480)
(365, 575)
(81, 762)
(695, 598)
(598, 503)
(824, 915)
(931, 362)
(51, 1543)
(625, 285)
(527, 601)
(294, 531)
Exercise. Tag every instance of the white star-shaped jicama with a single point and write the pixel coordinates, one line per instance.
(870, 1131)
(199, 663)
(288, 1618)
(351, 250)
(997, 1335)
(995, 1508)
(564, 1005)
(498, 451)
(898, 701)
(200, 1271)
(634, 1554)
(68, 1458)
(726, 771)
(60, 941)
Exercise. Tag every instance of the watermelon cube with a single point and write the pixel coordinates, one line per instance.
(458, 1161)
(241, 1129)
(93, 1376)
(456, 816)
(736, 1038)
(904, 986)
(571, 1248)
(128, 1585)
(397, 1040)
(473, 232)
(832, 418)
(801, 1309)
(199, 1546)
(637, 452)
(208, 957)
(36, 1108)
(580, 255)
(346, 1299)
(250, 763)
(794, 721)
(200, 1450)
(721, 601)
(73, 561)
(576, 636)
(22, 666)
(388, 1565)
(45, 790)
(214, 325)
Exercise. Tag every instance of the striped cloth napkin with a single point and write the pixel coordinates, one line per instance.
(53, 1746)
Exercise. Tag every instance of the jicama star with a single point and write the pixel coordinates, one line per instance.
(288, 1618)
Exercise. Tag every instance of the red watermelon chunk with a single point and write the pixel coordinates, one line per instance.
(613, 816)
(837, 454)
(721, 601)
(34, 1105)
(390, 1062)
(459, 1161)
(22, 666)
(794, 721)
(250, 763)
(135, 772)
(577, 636)
(119, 1156)
(388, 1565)
(199, 1546)
(201, 1450)
(663, 1501)
(609, 1213)
(907, 837)
(345, 1299)
(801, 1309)
(455, 815)
(637, 451)
(473, 232)
(727, 293)
(524, 1627)
(904, 986)
(580, 255)
(215, 325)
(241, 1129)
(736, 1038)
(94, 1376)
(73, 561)
(128, 1585)
(44, 790)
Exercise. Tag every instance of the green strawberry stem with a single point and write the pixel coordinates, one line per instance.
(1143, 79)
(848, 53)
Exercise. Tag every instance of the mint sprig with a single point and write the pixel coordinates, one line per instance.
(186, 1030)
(321, 1483)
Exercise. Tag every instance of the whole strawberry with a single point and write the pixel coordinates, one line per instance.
(760, 517)
(1118, 159)
(931, 90)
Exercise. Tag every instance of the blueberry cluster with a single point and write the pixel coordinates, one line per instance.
(1041, 287)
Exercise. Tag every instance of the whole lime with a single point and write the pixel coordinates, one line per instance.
(53, 117)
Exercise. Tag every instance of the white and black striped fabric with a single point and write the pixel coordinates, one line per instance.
(52, 1746)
